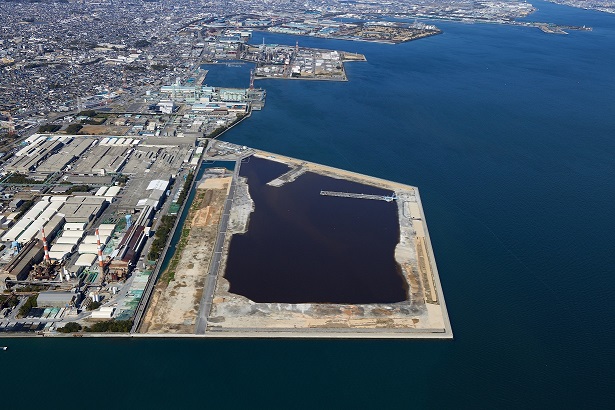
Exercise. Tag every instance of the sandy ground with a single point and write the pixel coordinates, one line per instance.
(242, 207)
(234, 312)
(175, 306)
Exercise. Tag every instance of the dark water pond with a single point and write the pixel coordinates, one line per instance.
(303, 247)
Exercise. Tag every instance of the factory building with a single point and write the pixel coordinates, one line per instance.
(129, 250)
(222, 108)
(103, 159)
(82, 209)
(157, 194)
(67, 155)
(53, 226)
(90, 248)
(75, 226)
(32, 155)
(32, 221)
(29, 255)
(105, 312)
(68, 240)
(57, 299)
(73, 234)
(91, 239)
(86, 260)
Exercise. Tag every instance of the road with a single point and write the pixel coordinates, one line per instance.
(212, 275)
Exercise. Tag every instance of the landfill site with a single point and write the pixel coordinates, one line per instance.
(194, 300)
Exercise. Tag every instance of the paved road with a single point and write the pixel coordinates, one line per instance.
(212, 275)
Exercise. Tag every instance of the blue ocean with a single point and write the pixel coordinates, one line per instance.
(509, 133)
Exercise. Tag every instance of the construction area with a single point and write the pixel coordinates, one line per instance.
(175, 302)
(193, 298)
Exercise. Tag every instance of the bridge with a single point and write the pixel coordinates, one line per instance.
(359, 196)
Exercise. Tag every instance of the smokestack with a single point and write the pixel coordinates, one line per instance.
(100, 257)
(45, 247)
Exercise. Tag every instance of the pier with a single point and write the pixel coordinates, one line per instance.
(359, 196)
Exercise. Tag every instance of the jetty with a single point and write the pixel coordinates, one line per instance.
(359, 196)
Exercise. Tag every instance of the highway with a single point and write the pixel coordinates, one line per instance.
(212, 274)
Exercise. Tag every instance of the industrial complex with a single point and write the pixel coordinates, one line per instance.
(95, 254)
(75, 228)
(117, 216)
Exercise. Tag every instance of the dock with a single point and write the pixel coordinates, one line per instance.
(359, 196)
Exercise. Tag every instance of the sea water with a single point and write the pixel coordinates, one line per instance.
(509, 133)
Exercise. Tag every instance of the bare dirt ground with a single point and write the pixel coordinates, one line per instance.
(175, 304)
(104, 130)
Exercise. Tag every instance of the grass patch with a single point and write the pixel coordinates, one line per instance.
(169, 273)
(30, 303)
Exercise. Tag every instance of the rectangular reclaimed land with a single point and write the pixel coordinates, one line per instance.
(422, 315)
